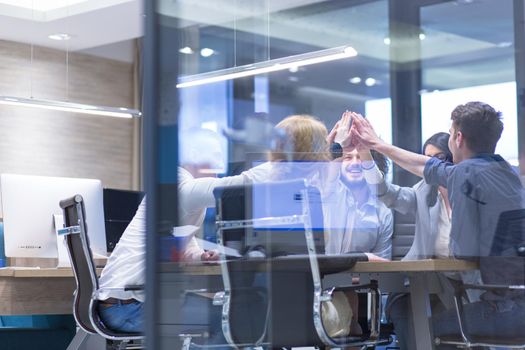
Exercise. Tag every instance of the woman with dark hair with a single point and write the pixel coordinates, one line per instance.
(429, 204)
(432, 228)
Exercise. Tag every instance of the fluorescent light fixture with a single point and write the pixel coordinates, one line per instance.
(59, 36)
(70, 107)
(41, 5)
(268, 66)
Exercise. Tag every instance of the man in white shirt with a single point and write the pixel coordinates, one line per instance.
(356, 220)
(123, 310)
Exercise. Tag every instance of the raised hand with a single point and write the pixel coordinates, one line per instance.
(363, 132)
(344, 137)
(331, 136)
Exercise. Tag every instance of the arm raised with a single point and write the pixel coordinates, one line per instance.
(363, 131)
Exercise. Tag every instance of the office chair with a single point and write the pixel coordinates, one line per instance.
(273, 295)
(85, 301)
(508, 244)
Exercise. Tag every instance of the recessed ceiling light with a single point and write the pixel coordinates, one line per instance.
(293, 69)
(370, 82)
(207, 52)
(186, 50)
(422, 36)
(387, 41)
(59, 36)
(355, 80)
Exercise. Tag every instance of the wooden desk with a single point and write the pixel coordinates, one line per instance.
(429, 265)
(46, 291)
(34, 291)
(392, 277)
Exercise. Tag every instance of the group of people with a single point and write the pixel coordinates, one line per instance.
(465, 187)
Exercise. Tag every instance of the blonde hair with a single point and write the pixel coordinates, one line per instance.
(305, 140)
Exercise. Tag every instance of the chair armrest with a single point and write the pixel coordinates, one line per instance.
(372, 286)
(327, 293)
(492, 287)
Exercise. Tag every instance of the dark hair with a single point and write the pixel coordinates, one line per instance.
(440, 141)
(380, 160)
(480, 124)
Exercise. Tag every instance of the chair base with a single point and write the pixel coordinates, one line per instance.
(127, 345)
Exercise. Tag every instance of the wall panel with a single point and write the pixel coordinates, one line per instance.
(45, 142)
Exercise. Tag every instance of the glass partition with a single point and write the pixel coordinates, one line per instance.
(257, 210)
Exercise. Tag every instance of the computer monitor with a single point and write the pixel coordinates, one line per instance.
(29, 204)
(271, 200)
(120, 207)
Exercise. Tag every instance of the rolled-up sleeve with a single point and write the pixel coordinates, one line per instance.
(437, 172)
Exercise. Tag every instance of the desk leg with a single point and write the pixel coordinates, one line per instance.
(84, 341)
(420, 302)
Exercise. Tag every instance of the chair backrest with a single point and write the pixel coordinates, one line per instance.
(269, 200)
(403, 235)
(509, 239)
(77, 242)
(506, 263)
(272, 290)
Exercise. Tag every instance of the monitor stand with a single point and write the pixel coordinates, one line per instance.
(63, 255)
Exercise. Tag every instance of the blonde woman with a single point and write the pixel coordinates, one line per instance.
(303, 152)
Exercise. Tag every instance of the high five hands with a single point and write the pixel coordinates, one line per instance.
(363, 134)
(353, 131)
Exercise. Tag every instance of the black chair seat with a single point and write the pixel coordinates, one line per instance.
(273, 294)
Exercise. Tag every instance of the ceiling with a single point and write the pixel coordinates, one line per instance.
(94, 25)
(465, 41)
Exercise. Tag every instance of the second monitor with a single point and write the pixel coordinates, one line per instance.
(120, 207)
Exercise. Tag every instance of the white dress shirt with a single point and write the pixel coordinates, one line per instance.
(126, 265)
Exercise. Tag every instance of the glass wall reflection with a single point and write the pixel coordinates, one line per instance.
(279, 210)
